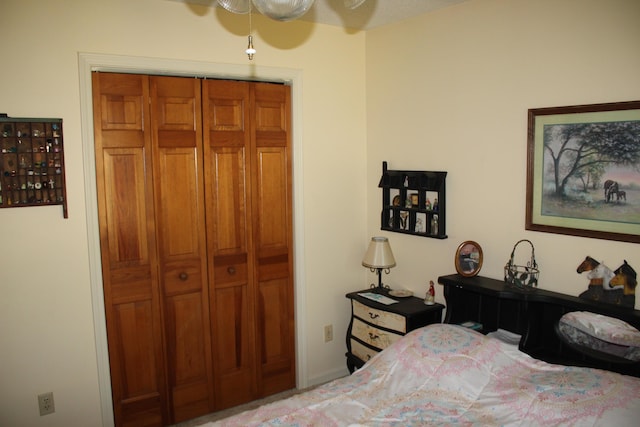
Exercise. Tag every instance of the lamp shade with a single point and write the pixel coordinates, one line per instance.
(379, 254)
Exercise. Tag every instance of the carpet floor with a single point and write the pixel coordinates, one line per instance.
(215, 416)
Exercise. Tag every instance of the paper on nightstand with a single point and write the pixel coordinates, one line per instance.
(378, 298)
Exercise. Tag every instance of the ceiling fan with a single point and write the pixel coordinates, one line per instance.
(280, 10)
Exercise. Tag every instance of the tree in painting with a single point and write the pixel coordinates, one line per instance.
(582, 151)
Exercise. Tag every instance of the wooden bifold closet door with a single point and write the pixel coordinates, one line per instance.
(194, 201)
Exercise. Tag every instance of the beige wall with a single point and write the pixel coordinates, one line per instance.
(446, 91)
(46, 319)
(450, 91)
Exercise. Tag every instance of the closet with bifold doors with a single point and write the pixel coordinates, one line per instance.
(195, 215)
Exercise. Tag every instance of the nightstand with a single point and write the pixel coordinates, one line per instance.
(375, 326)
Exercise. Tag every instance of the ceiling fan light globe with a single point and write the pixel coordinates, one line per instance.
(283, 10)
(236, 6)
(352, 4)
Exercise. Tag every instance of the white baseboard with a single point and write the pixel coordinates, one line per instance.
(328, 376)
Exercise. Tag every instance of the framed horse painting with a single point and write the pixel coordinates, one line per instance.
(583, 171)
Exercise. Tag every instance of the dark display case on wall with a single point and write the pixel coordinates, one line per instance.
(32, 163)
(414, 202)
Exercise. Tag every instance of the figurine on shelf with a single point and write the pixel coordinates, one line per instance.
(404, 220)
(434, 225)
(431, 294)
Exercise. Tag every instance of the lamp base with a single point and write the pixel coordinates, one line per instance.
(380, 286)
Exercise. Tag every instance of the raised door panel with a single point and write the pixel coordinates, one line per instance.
(272, 171)
(132, 322)
(226, 141)
(276, 336)
(225, 111)
(272, 200)
(177, 162)
(188, 355)
(234, 355)
(273, 236)
(126, 218)
(228, 206)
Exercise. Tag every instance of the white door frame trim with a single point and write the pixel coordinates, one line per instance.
(89, 62)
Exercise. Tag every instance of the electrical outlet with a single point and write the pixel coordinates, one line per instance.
(45, 402)
(328, 333)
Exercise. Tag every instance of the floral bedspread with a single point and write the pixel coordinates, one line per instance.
(449, 375)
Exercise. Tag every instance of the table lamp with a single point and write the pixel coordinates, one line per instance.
(379, 257)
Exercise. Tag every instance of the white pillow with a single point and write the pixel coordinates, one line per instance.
(605, 328)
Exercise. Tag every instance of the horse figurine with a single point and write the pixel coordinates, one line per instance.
(587, 265)
(625, 276)
(614, 287)
(599, 274)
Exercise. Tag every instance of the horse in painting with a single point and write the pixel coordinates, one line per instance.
(610, 188)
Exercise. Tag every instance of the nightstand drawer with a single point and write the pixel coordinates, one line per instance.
(381, 318)
(373, 336)
(375, 326)
(361, 351)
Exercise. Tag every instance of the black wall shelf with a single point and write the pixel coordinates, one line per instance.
(414, 202)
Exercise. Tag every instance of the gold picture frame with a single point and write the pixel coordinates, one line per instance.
(468, 258)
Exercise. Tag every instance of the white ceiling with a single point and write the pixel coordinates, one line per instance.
(371, 14)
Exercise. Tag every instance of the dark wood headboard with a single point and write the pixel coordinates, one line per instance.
(532, 313)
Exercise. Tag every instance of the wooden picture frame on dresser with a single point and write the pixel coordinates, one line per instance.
(374, 326)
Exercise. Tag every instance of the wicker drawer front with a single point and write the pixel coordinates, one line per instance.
(362, 352)
(373, 336)
(381, 318)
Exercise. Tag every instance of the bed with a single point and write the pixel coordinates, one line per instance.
(446, 374)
